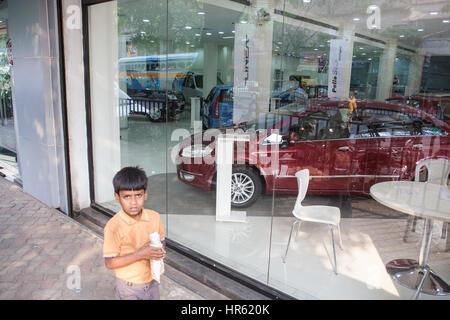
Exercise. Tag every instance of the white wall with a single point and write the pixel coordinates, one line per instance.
(36, 95)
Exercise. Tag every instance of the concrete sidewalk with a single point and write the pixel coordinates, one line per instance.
(40, 248)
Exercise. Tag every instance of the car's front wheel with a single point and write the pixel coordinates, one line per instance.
(245, 187)
(155, 114)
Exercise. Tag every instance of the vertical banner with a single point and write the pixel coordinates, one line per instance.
(336, 70)
(245, 73)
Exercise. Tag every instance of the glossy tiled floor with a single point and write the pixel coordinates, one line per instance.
(308, 273)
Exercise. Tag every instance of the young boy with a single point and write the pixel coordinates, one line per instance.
(126, 246)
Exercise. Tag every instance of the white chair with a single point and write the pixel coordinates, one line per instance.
(320, 214)
(437, 173)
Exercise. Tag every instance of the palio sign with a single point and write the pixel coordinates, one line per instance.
(336, 68)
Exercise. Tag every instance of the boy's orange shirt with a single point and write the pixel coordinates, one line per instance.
(124, 235)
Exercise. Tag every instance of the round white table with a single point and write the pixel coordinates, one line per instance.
(421, 199)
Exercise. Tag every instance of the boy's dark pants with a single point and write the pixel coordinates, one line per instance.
(125, 290)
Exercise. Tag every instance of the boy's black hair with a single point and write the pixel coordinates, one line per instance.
(130, 178)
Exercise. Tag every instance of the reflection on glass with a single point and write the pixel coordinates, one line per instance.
(276, 78)
(8, 148)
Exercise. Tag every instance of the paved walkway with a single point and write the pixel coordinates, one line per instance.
(42, 251)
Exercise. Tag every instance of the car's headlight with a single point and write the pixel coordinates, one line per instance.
(196, 151)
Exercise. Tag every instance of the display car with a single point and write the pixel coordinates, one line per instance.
(345, 155)
(192, 86)
(436, 104)
(157, 105)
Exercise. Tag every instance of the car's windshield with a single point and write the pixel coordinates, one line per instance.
(211, 95)
(445, 106)
(267, 120)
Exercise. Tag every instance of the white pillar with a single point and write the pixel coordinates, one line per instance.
(264, 36)
(386, 71)
(415, 74)
(225, 64)
(76, 108)
(103, 44)
(209, 67)
(252, 70)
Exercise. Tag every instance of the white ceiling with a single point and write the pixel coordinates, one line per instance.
(398, 18)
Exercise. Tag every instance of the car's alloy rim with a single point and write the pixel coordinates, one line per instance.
(155, 114)
(242, 188)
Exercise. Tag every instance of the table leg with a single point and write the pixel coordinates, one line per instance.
(417, 275)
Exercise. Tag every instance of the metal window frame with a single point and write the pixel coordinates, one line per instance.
(63, 93)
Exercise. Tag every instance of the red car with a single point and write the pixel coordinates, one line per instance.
(437, 105)
(344, 155)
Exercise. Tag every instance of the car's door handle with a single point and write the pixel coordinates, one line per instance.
(346, 148)
(418, 146)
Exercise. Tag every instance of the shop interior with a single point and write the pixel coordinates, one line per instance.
(171, 54)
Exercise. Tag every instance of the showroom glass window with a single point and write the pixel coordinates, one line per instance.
(8, 147)
(171, 82)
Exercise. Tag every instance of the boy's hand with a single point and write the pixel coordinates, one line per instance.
(151, 253)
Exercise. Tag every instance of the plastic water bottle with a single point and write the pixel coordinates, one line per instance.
(157, 266)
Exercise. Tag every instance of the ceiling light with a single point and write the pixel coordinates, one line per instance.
(307, 1)
(200, 12)
(197, 34)
(208, 33)
(434, 13)
(145, 20)
(243, 21)
(233, 31)
(315, 49)
(188, 27)
(356, 19)
(142, 32)
(370, 59)
(420, 29)
(187, 42)
(227, 37)
(445, 21)
(361, 48)
(402, 36)
(221, 32)
(192, 46)
(363, 54)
